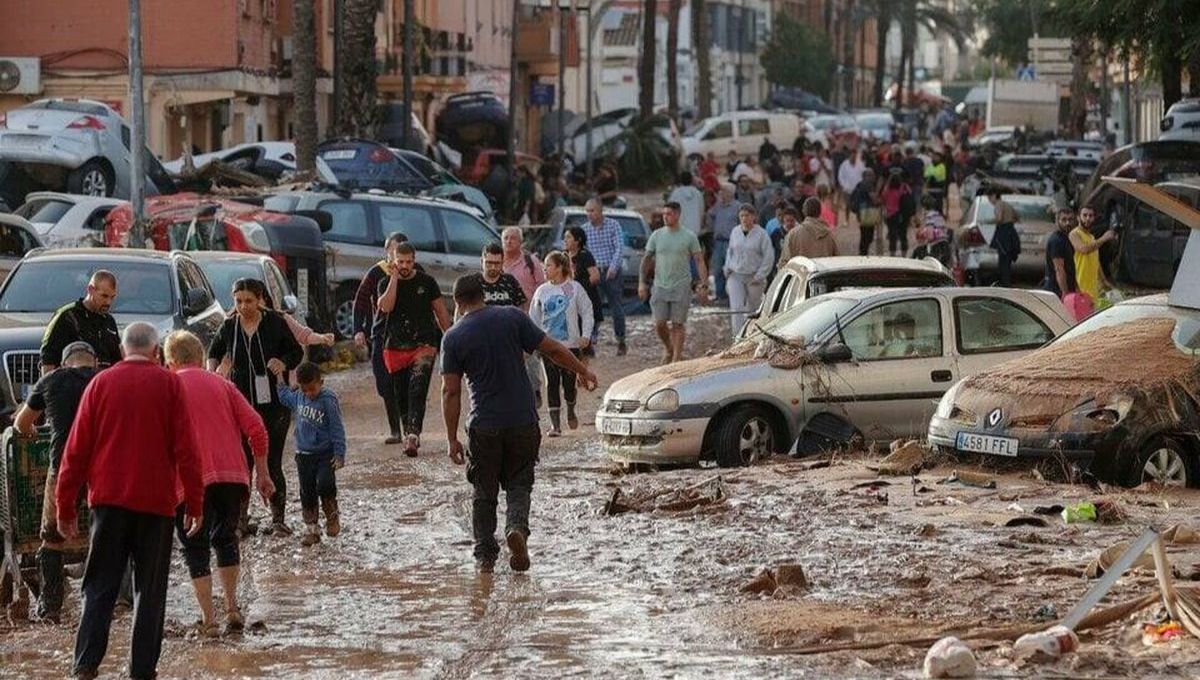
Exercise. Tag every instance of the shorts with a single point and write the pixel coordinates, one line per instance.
(671, 304)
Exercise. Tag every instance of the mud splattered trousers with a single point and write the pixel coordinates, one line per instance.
(410, 389)
(557, 376)
(49, 555)
(117, 535)
(317, 479)
(500, 458)
(222, 506)
(383, 386)
(278, 419)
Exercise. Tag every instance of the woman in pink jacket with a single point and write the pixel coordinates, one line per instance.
(220, 418)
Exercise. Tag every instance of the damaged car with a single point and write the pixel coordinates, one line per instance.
(852, 366)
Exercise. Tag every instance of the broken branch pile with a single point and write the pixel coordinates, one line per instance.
(707, 493)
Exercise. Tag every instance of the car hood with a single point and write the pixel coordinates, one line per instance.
(639, 386)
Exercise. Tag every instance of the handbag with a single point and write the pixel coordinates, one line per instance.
(870, 216)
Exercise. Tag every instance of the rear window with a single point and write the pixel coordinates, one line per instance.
(832, 283)
(45, 285)
(46, 211)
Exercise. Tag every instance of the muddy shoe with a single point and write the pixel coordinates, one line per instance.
(555, 423)
(333, 521)
(519, 560)
(572, 419)
(281, 529)
(207, 631)
(235, 623)
(622, 350)
(393, 439)
(412, 443)
(485, 566)
(312, 536)
(85, 674)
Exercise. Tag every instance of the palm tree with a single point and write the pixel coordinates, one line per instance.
(304, 82)
(646, 65)
(700, 45)
(1081, 62)
(673, 9)
(357, 112)
(913, 15)
(885, 10)
(849, 59)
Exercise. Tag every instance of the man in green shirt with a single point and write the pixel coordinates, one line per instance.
(669, 254)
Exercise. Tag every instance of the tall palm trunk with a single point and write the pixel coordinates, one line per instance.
(673, 9)
(883, 21)
(357, 115)
(1081, 61)
(849, 58)
(908, 39)
(646, 65)
(701, 46)
(304, 82)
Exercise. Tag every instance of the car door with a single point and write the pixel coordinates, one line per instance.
(751, 134)
(419, 224)
(465, 238)
(990, 330)
(902, 364)
(772, 303)
(719, 139)
(203, 324)
(353, 242)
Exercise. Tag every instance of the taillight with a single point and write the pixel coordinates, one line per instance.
(86, 123)
(380, 156)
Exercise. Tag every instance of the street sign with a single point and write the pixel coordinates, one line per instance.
(1026, 73)
(541, 94)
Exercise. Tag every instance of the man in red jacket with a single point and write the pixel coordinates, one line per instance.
(129, 445)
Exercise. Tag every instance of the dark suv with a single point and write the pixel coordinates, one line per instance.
(168, 290)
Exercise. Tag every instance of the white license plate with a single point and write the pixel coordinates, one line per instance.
(984, 443)
(618, 426)
(23, 142)
(339, 155)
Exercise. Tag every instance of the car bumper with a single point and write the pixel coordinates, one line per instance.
(33, 148)
(650, 440)
(943, 434)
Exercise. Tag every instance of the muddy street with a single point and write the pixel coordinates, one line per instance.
(655, 590)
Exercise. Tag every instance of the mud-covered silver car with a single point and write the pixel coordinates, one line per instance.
(846, 366)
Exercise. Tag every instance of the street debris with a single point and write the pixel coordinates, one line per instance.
(967, 478)
(1176, 535)
(906, 458)
(707, 493)
(1047, 644)
(949, 658)
(1158, 634)
(785, 579)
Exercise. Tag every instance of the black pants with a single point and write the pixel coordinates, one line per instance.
(1004, 270)
(278, 420)
(410, 389)
(118, 535)
(897, 233)
(383, 386)
(865, 236)
(557, 375)
(500, 457)
(222, 507)
(317, 479)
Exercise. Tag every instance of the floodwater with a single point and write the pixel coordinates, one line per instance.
(645, 594)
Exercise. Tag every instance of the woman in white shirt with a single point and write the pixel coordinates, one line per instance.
(562, 309)
(747, 265)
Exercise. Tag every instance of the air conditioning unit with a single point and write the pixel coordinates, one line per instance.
(20, 75)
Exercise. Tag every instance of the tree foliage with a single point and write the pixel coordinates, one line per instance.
(798, 56)
(1010, 24)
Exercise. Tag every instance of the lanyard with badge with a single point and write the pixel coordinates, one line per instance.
(260, 386)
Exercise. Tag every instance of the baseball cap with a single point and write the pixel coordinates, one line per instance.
(75, 348)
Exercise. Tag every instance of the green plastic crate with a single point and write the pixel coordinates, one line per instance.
(24, 466)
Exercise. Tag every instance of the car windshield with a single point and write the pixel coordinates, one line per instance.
(875, 120)
(222, 274)
(633, 228)
(44, 212)
(808, 320)
(1187, 323)
(876, 278)
(45, 285)
(1027, 211)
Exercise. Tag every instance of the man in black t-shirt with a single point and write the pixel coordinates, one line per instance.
(500, 289)
(1060, 256)
(416, 318)
(87, 319)
(57, 395)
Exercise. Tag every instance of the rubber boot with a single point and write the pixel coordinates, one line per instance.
(393, 418)
(312, 532)
(555, 425)
(278, 526)
(333, 522)
(572, 419)
(50, 572)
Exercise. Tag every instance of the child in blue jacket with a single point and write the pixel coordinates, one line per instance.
(320, 448)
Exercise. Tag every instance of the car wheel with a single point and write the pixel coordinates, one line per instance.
(1164, 461)
(91, 179)
(745, 435)
(343, 316)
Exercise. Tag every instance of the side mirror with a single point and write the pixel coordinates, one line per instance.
(198, 300)
(291, 304)
(323, 219)
(835, 353)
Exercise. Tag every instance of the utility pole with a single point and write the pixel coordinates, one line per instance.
(511, 148)
(137, 122)
(590, 32)
(409, 18)
(337, 64)
(562, 96)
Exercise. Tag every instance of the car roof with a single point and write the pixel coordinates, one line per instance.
(77, 199)
(608, 212)
(102, 254)
(403, 198)
(225, 256)
(845, 263)
(872, 295)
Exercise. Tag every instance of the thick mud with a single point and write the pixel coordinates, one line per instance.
(652, 593)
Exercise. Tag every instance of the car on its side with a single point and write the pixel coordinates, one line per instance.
(1035, 224)
(634, 230)
(223, 268)
(166, 289)
(76, 145)
(449, 238)
(266, 159)
(68, 220)
(803, 278)
(17, 239)
(856, 365)
(361, 164)
(1115, 395)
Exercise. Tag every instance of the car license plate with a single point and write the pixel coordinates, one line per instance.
(23, 141)
(618, 426)
(339, 155)
(983, 443)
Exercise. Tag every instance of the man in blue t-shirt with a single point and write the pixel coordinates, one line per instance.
(488, 345)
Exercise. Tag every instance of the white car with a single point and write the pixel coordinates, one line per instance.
(68, 220)
(741, 132)
(269, 159)
(17, 238)
(856, 365)
(1182, 121)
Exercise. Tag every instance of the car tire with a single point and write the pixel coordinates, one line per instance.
(93, 178)
(1163, 460)
(343, 311)
(745, 435)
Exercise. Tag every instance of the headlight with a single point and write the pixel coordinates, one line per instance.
(663, 400)
(946, 406)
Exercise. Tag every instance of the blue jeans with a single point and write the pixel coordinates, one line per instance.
(613, 293)
(717, 267)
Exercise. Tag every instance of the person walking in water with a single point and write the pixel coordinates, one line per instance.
(562, 309)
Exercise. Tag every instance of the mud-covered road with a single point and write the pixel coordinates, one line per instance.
(651, 594)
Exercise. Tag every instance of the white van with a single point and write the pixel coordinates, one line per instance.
(741, 132)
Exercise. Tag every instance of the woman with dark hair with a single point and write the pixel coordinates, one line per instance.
(587, 274)
(254, 349)
(898, 209)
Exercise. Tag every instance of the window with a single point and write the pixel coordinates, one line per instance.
(722, 130)
(901, 330)
(275, 277)
(465, 235)
(45, 284)
(15, 241)
(780, 293)
(992, 325)
(45, 210)
(350, 222)
(634, 231)
(414, 222)
(95, 221)
(274, 288)
(753, 126)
